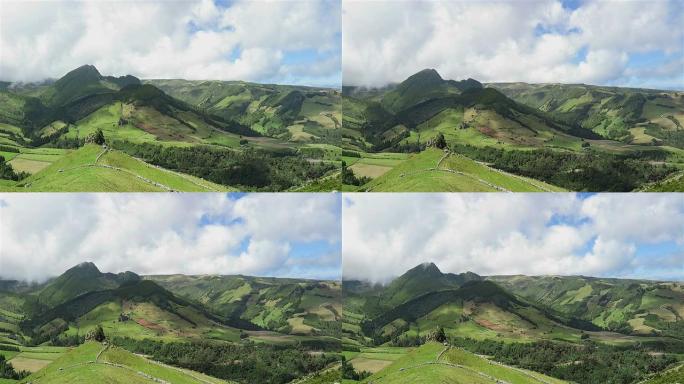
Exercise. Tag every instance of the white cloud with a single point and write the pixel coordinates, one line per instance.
(41, 236)
(167, 39)
(533, 41)
(386, 234)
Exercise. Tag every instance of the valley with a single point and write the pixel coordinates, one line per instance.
(165, 135)
(179, 329)
(428, 325)
(552, 136)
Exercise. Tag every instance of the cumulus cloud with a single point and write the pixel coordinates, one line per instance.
(258, 234)
(496, 41)
(247, 40)
(532, 234)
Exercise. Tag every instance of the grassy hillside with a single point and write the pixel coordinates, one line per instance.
(630, 306)
(93, 362)
(296, 307)
(434, 363)
(435, 170)
(295, 114)
(95, 169)
(638, 116)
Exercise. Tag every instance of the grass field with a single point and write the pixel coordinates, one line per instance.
(93, 362)
(92, 169)
(435, 170)
(435, 363)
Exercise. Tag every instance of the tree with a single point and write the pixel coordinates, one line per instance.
(99, 138)
(440, 142)
(96, 334)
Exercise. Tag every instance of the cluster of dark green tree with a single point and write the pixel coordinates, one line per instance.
(7, 371)
(8, 173)
(245, 363)
(588, 362)
(589, 171)
(250, 169)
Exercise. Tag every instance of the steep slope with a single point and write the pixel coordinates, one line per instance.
(137, 308)
(299, 307)
(632, 306)
(418, 106)
(82, 81)
(92, 362)
(298, 114)
(420, 280)
(93, 168)
(83, 278)
(84, 91)
(638, 116)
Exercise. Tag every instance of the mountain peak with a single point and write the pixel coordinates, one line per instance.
(428, 76)
(84, 268)
(83, 74)
(424, 269)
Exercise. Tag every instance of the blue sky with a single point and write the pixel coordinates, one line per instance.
(637, 43)
(285, 42)
(260, 234)
(606, 235)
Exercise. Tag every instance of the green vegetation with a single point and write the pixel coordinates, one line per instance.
(586, 363)
(246, 363)
(235, 134)
(512, 328)
(436, 170)
(573, 137)
(85, 324)
(93, 168)
(94, 361)
(434, 363)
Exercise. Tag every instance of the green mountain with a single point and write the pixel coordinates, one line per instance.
(291, 113)
(548, 137)
(637, 116)
(291, 306)
(428, 326)
(636, 307)
(421, 103)
(78, 280)
(511, 307)
(241, 328)
(252, 136)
